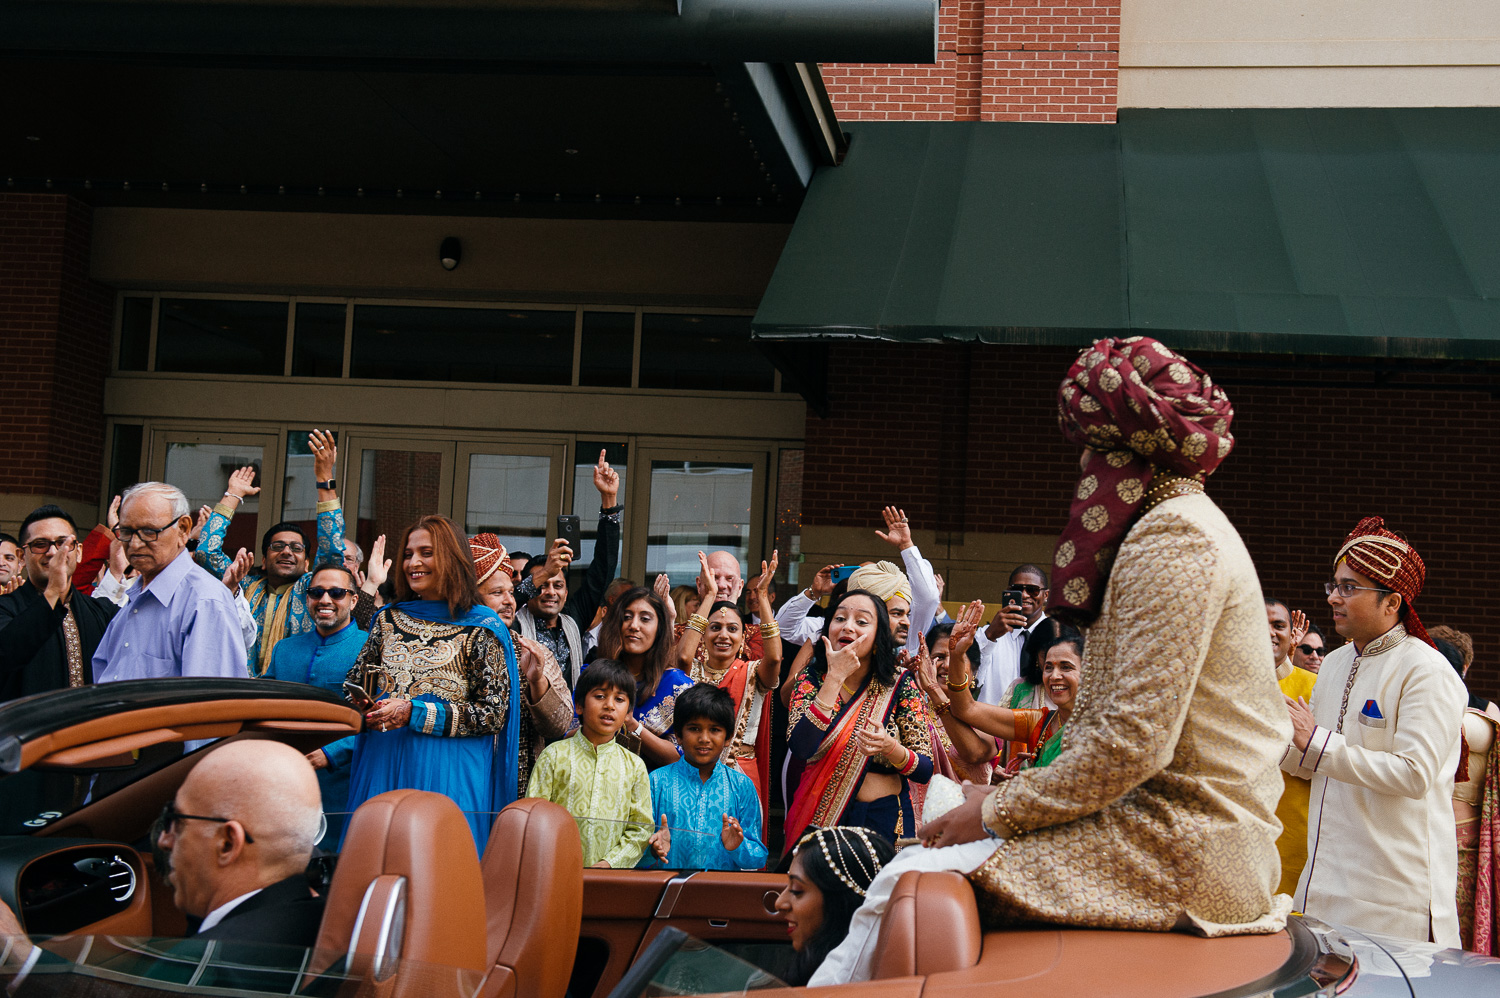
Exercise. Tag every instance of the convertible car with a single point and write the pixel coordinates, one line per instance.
(412, 910)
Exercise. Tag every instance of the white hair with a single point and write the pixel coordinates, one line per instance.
(161, 490)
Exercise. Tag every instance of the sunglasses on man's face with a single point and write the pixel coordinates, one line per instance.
(1309, 650)
(1028, 590)
(318, 592)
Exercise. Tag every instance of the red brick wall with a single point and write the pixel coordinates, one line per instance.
(54, 348)
(1018, 61)
(965, 437)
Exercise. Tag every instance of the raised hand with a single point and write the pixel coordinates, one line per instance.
(941, 585)
(325, 454)
(897, 531)
(242, 483)
(235, 573)
(731, 835)
(607, 481)
(962, 636)
(1299, 627)
(558, 559)
(758, 585)
(708, 588)
(822, 583)
(112, 518)
(662, 587)
(379, 567)
(204, 512)
(661, 841)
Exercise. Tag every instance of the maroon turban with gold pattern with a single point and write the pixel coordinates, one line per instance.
(1141, 410)
(1387, 557)
(489, 554)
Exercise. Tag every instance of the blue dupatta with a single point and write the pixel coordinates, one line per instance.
(505, 784)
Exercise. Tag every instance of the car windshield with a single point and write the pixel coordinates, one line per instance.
(679, 964)
(135, 968)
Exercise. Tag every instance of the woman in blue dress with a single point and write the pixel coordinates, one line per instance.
(444, 670)
(637, 632)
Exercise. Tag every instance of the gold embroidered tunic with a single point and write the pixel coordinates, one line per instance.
(1159, 812)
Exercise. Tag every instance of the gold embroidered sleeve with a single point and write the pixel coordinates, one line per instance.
(488, 706)
(554, 712)
(368, 659)
(1167, 592)
(913, 718)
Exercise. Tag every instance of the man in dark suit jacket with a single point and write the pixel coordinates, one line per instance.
(48, 629)
(238, 838)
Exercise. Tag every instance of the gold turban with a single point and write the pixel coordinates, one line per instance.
(883, 579)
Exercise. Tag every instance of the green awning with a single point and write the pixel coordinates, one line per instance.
(1368, 232)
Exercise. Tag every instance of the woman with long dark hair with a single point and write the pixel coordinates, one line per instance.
(443, 669)
(862, 725)
(830, 872)
(637, 632)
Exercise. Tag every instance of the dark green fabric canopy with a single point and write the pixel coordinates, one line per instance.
(1369, 232)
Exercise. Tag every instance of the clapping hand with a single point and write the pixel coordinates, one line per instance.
(112, 518)
(60, 568)
(662, 587)
(897, 531)
(379, 567)
(204, 512)
(731, 835)
(661, 841)
(238, 568)
(1299, 627)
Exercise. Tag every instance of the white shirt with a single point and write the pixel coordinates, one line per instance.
(1000, 660)
(217, 915)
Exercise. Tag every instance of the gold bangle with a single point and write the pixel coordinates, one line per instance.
(698, 622)
(941, 707)
(830, 711)
(771, 630)
(968, 681)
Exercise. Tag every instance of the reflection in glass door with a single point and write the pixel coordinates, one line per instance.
(398, 482)
(507, 496)
(697, 506)
(202, 470)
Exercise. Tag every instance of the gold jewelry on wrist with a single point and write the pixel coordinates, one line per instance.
(959, 687)
(698, 622)
(941, 707)
(826, 709)
(771, 630)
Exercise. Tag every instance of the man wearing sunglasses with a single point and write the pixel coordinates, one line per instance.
(1309, 654)
(1001, 643)
(1380, 743)
(323, 659)
(49, 630)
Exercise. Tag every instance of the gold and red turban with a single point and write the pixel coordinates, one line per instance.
(1387, 558)
(489, 554)
(1140, 409)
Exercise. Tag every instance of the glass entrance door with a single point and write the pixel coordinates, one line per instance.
(200, 465)
(510, 490)
(397, 481)
(699, 502)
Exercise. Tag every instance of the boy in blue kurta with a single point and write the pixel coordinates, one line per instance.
(709, 811)
(322, 658)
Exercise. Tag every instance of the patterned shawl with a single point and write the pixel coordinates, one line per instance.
(1140, 409)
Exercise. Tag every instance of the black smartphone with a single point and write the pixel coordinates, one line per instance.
(357, 695)
(1012, 597)
(570, 529)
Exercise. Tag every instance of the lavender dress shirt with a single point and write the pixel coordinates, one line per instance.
(183, 624)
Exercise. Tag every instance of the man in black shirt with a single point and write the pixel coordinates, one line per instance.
(48, 629)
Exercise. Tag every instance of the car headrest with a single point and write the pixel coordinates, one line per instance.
(533, 892)
(931, 925)
(425, 838)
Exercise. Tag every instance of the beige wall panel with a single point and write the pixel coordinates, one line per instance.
(504, 259)
(976, 568)
(14, 507)
(549, 409)
(1299, 33)
(1360, 86)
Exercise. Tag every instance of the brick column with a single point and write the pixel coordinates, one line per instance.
(55, 326)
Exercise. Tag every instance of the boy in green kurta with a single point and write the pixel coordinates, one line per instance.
(603, 785)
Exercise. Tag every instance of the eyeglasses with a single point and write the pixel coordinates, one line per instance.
(170, 816)
(1347, 589)
(295, 547)
(318, 592)
(147, 535)
(1310, 651)
(41, 545)
(1028, 590)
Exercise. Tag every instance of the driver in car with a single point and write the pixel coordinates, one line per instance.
(237, 839)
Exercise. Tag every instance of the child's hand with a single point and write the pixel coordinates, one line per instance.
(732, 835)
(661, 841)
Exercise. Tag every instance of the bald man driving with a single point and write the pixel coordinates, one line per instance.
(238, 837)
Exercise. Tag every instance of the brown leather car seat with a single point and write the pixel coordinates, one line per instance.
(931, 925)
(425, 838)
(533, 890)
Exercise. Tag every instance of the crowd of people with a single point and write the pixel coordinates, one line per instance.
(1120, 702)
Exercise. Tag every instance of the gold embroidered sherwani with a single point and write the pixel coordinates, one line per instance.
(1160, 810)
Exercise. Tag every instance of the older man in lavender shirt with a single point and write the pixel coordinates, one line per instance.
(180, 620)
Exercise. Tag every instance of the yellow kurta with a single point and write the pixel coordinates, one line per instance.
(1292, 810)
(1159, 812)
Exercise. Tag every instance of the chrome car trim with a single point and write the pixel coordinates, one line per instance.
(669, 896)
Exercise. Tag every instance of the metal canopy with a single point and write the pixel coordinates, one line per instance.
(1356, 232)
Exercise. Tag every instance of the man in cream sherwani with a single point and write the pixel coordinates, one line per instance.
(1380, 743)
